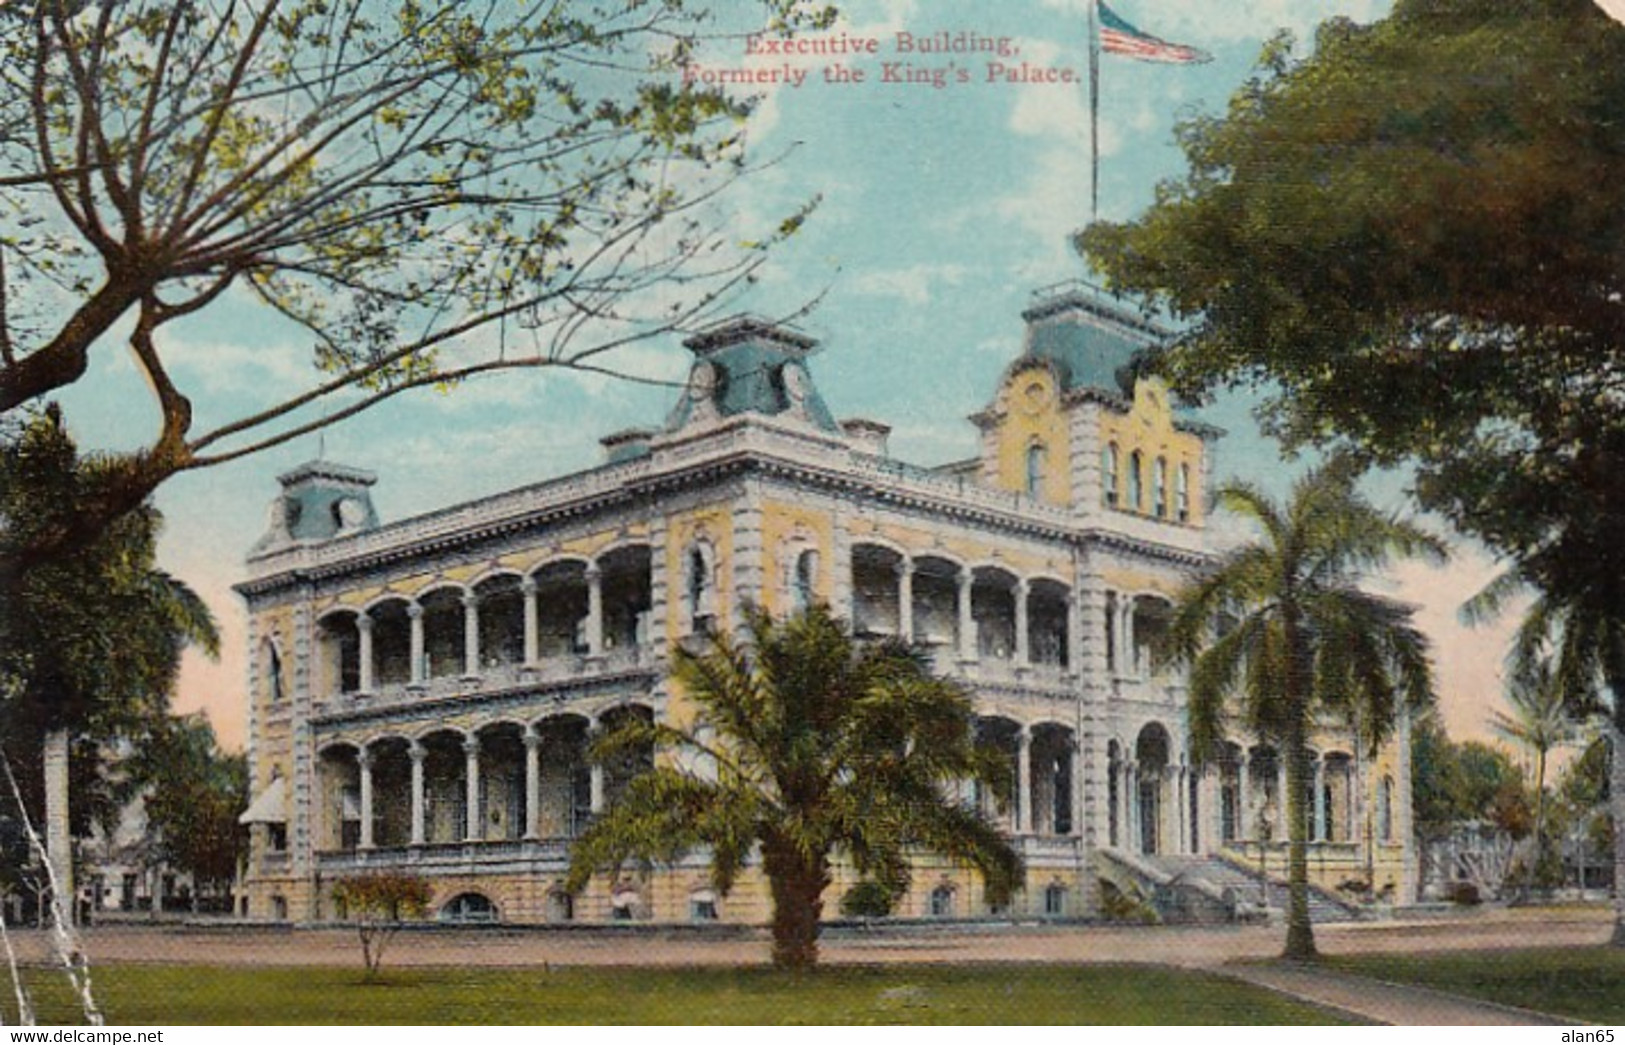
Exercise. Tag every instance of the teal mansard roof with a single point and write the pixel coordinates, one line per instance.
(1089, 335)
(747, 365)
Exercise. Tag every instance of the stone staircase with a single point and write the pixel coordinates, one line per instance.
(1174, 881)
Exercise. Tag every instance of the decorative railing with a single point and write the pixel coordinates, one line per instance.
(446, 857)
(498, 677)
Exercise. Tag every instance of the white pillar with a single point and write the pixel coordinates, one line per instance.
(1023, 654)
(363, 760)
(474, 827)
(1132, 774)
(1281, 800)
(363, 626)
(905, 599)
(533, 782)
(1126, 665)
(596, 779)
(471, 635)
(595, 611)
(414, 613)
(1024, 781)
(418, 754)
(967, 620)
(58, 836)
(533, 639)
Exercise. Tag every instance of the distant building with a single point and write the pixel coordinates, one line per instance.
(423, 691)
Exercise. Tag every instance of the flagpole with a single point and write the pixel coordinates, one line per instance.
(1094, 111)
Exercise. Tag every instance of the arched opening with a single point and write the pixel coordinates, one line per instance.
(936, 603)
(444, 645)
(1051, 756)
(942, 901)
(618, 774)
(501, 812)
(702, 905)
(469, 908)
(1055, 900)
(875, 591)
(1159, 488)
(1136, 482)
(1109, 478)
(1264, 779)
(1151, 755)
(1182, 493)
(561, 609)
(627, 597)
(1385, 810)
(1003, 736)
(1047, 610)
(700, 587)
(561, 906)
(803, 581)
(993, 608)
(391, 643)
(502, 622)
(339, 643)
(566, 777)
(626, 904)
(1152, 615)
(275, 685)
(391, 792)
(1033, 479)
(445, 788)
(1338, 787)
(338, 782)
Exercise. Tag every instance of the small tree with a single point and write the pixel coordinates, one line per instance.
(378, 903)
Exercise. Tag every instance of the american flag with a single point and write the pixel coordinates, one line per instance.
(1119, 37)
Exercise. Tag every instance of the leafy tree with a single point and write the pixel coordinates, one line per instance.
(1279, 636)
(431, 190)
(193, 793)
(813, 748)
(1412, 238)
(1539, 721)
(90, 645)
(378, 904)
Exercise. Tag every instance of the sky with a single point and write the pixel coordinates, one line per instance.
(942, 209)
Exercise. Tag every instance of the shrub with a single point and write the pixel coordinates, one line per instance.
(377, 903)
(868, 899)
(1464, 893)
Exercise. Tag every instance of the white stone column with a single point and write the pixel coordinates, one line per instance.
(474, 821)
(1024, 781)
(596, 779)
(1182, 797)
(58, 836)
(414, 613)
(1127, 664)
(418, 753)
(1281, 799)
(967, 619)
(363, 761)
(1410, 885)
(905, 599)
(533, 637)
(363, 627)
(533, 782)
(1132, 775)
(1023, 653)
(1074, 633)
(595, 610)
(471, 635)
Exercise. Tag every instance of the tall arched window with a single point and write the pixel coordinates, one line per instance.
(699, 588)
(1108, 474)
(1136, 482)
(1385, 810)
(273, 674)
(1035, 470)
(1159, 488)
(804, 581)
(1182, 493)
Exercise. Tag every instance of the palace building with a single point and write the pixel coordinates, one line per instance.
(423, 692)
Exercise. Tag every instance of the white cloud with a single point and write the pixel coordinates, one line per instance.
(916, 284)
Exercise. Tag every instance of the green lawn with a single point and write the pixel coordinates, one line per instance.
(1587, 983)
(995, 994)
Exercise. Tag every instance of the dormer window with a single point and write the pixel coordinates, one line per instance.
(1108, 474)
(1159, 488)
(1136, 482)
(804, 581)
(1182, 493)
(699, 589)
(1035, 470)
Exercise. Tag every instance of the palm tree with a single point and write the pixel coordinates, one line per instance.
(1580, 625)
(812, 748)
(1540, 721)
(1279, 636)
(90, 647)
